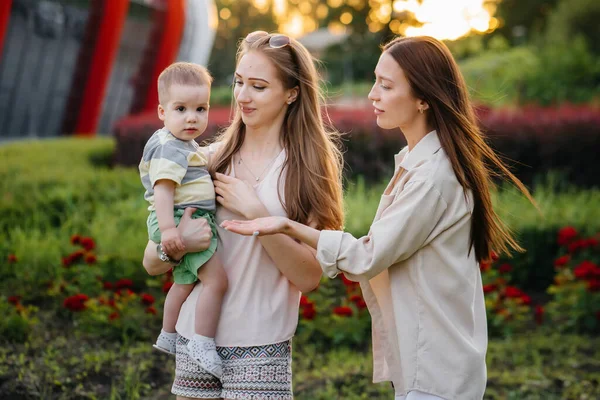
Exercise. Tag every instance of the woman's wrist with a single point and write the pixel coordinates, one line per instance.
(289, 228)
(260, 211)
(303, 233)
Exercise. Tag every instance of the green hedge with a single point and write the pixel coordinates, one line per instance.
(53, 189)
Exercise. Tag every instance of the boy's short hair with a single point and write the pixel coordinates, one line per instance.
(181, 73)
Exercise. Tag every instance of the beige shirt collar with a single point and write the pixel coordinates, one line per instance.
(427, 146)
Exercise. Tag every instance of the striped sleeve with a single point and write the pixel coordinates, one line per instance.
(167, 162)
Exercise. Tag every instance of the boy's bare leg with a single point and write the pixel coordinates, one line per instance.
(167, 340)
(173, 302)
(202, 348)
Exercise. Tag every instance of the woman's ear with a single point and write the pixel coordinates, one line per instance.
(423, 105)
(293, 94)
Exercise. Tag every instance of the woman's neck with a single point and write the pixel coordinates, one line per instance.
(261, 142)
(415, 132)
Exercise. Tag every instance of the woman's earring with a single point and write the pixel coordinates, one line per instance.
(421, 110)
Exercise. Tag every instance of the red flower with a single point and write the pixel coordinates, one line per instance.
(90, 259)
(592, 242)
(347, 281)
(14, 299)
(75, 303)
(67, 261)
(489, 288)
(88, 243)
(562, 261)
(12, 259)
(305, 301)
(513, 292)
(309, 312)
(576, 245)
(594, 285)
(539, 314)
(566, 235)
(124, 292)
(147, 299)
(77, 255)
(124, 283)
(151, 310)
(113, 316)
(494, 256)
(343, 311)
(526, 299)
(505, 268)
(107, 286)
(484, 266)
(112, 303)
(75, 239)
(585, 270)
(359, 301)
(167, 286)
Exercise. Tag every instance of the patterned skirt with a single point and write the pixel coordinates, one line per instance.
(249, 373)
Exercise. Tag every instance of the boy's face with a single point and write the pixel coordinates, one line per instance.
(185, 113)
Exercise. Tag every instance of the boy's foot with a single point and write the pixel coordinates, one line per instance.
(166, 342)
(204, 352)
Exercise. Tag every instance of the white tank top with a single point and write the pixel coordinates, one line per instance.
(261, 304)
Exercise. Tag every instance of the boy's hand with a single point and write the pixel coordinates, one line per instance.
(171, 241)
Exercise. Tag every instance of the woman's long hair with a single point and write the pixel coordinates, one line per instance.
(435, 78)
(313, 166)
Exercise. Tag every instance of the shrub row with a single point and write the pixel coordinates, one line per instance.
(533, 140)
(49, 200)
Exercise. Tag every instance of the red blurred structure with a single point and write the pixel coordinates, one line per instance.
(4, 15)
(79, 55)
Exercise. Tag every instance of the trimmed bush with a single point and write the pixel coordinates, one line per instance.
(534, 140)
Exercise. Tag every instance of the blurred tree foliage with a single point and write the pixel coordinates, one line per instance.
(243, 18)
(523, 19)
(573, 18)
(239, 17)
(555, 43)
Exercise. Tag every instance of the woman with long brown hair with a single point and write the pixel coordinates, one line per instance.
(276, 158)
(418, 266)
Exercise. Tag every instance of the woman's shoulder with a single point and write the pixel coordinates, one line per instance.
(210, 150)
(437, 172)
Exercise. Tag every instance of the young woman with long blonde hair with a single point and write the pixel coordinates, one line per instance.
(275, 159)
(418, 265)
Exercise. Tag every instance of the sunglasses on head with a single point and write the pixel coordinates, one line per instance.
(276, 41)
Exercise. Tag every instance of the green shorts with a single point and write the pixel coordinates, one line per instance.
(187, 271)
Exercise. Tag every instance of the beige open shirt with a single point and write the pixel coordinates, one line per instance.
(420, 279)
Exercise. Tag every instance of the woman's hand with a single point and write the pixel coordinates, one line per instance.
(196, 233)
(238, 197)
(171, 241)
(258, 227)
